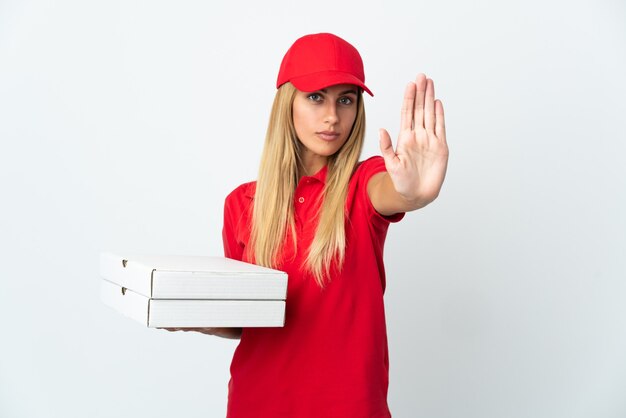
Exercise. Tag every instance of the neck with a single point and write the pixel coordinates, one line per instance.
(311, 164)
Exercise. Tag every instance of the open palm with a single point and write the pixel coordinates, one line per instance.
(418, 165)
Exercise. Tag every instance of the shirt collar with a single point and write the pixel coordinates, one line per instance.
(319, 176)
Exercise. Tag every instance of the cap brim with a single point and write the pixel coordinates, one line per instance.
(318, 81)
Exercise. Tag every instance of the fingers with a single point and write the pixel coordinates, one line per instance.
(202, 330)
(386, 147)
(440, 124)
(418, 109)
(406, 114)
(429, 106)
(418, 106)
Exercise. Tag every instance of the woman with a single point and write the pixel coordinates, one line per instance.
(318, 214)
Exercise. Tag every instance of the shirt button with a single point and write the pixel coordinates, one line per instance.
(301, 200)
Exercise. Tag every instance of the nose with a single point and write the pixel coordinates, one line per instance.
(330, 115)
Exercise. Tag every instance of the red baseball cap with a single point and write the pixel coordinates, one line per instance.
(320, 60)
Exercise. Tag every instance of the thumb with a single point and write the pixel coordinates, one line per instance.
(386, 147)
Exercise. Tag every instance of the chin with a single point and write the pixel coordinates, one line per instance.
(326, 152)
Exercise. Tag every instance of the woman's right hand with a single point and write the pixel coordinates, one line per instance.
(231, 333)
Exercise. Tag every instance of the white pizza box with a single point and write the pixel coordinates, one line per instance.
(192, 313)
(193, 277)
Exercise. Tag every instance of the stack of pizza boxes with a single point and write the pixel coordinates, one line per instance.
(193, 291)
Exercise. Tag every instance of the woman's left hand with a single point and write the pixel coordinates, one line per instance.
(418, 166)
(231, 333)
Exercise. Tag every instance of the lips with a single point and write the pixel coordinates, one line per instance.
(328, 135)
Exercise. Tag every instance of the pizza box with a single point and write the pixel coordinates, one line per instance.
(192, 313)
(193, 277)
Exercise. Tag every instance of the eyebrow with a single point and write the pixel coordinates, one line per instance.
(342, 93)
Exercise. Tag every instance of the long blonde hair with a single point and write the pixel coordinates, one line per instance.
(273, 211)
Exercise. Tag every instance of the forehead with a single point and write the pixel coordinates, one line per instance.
(340, 89)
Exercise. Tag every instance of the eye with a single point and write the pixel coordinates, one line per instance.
(315, 97)
(345, 100)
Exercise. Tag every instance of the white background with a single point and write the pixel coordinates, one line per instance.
(123, 126)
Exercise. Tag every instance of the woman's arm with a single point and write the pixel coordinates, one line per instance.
(417, 168)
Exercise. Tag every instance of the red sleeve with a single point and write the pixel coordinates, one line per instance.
(367, 169)
(233, 247)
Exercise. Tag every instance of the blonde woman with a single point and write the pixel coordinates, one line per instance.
(320, 215)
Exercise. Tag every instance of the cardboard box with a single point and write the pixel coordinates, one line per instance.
(193, 277)
(193, 313)
(193, 291)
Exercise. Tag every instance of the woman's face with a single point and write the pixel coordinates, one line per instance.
(323, 120)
